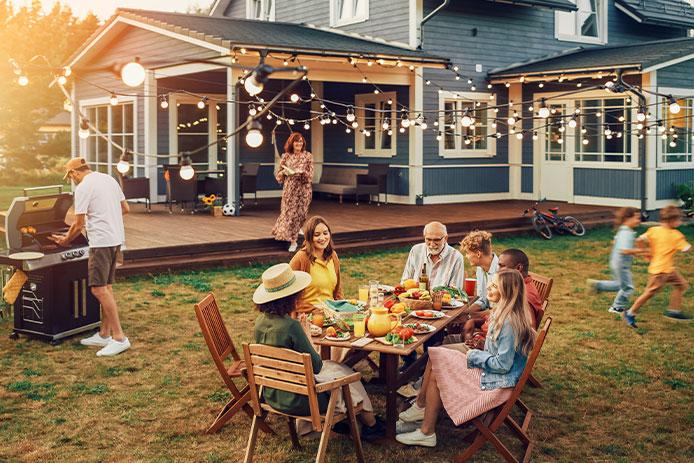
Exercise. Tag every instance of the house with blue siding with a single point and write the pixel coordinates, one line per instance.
(501, 100)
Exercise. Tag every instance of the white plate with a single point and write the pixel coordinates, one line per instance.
(436, 316)
(346, 338)
(430, 327)
(454, 303)
(386, 288)
(28, 255)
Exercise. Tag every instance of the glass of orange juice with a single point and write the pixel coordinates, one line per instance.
(364, 293)
(359, 325)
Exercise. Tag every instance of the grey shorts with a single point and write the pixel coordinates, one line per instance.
(102, 265)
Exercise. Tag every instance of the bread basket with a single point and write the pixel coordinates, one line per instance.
(416, 304)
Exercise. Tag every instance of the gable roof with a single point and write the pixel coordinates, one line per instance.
(642, 57)
(561, 5)
(661, 12)
(232, 33)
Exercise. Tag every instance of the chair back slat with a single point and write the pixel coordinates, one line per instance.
(215, 333)
(518, 388)
(541, 313)
(279, 364)
(543, 285)
(281, 375)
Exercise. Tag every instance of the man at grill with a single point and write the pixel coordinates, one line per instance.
(99, 206)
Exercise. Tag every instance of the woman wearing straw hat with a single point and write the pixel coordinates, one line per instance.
(276, 299)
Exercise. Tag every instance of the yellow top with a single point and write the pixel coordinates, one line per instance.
(323, 282)
(664, 243)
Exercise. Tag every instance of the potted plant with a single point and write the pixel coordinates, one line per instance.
(213, 204)
(685, 193)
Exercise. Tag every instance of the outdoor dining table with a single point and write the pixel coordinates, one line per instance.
(389, 355)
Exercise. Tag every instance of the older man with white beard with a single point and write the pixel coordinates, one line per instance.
(445, 265)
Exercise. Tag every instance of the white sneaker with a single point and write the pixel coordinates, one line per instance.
(95, 340)
(402, 427)
(417, 438)
(114, 348)
(292, 248)
(414, 413)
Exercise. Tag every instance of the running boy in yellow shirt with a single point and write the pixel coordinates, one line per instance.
(664, 242)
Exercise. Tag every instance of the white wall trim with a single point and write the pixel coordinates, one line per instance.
(464, 198)
(416, 154)
(515, 146)
(628, 13)
(317, 144)
(672, 62)
(603, 201)
(150, 123)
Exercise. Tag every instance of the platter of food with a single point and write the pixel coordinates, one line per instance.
(428, 314)
(420, 328)
(332, 334)
(327, 321)
(399, 336)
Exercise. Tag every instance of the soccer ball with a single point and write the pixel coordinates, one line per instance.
(228, 209)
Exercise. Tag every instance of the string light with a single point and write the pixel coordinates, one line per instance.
(254, 136)
(251, 110)
(466, 120)
(202, 103)
(133, 74)
(641, 115)
(124, 163)
(674, 106)
(67, 71)
(62, 80)
(256, 81)
(164, 103)
(573, 122)
(23, 80)
(187, 172)
(438, 136)
(84, 129)
(307, 126)
(114, 99)
(535, 137)
(294, 98)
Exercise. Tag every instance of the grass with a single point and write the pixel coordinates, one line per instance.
(611, 394)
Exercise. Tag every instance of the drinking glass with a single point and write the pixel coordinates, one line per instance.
(437, 299)
(359, 325)
(364, 293)
(373, 288)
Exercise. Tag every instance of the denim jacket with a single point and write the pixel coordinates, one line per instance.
(501, 365)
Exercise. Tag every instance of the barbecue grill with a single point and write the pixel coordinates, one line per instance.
(55, 301)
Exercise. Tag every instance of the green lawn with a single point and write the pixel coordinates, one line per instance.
(612, 394)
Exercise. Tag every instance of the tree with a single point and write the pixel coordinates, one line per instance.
(195, 8)
(27, 33)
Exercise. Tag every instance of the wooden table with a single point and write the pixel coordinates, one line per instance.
(389, 355)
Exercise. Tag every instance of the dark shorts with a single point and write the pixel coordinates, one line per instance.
(102, 265)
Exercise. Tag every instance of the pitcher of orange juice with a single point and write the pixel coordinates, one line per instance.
(381, 322)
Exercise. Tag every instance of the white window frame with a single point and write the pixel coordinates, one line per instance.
(664, 112)
(335, 21)
(267, 8)
(87, 104)
(466, 97)
(570, 134)
(360, 101)
(601, 39)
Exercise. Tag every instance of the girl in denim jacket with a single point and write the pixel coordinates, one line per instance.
(469, 384)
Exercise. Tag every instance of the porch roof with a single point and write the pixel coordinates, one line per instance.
(671, 13)
(300, 39)
(561, 5)
(642, 57)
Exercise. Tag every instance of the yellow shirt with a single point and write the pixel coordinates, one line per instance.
(664, 243)
(323, 282)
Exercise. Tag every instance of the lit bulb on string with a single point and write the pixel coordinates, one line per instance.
(619, 134)
(254, 136)
(641, 114)
(133, 74)
(674, 106)
(661, 127)
(583, 129)
(541, 84)
(402, 129)
(467, 140)
(466, 120)
(348, 130)
(202, 103)
(62, 80)
(124, 163)
(519, 135)
(67, 71)
(438, 136)
(355, 124)
(294, 98)
(164, 103)
(673, 143)
(307, 126)
(543, 112)
(113, 99)
(186, 172)
(535, 137)
(585, 141)
(23, 80)
(251, 110)
(84, 129)
(385, 124)
(278, 122)
(573, 122)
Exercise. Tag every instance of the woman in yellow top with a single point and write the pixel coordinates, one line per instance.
(318, 258)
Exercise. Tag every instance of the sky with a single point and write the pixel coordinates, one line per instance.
(105, 8)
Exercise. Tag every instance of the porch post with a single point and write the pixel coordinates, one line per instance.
(233, 155)
(515, 146)
(317, 132)
(150, 123)
(416, 138)
(650, 82)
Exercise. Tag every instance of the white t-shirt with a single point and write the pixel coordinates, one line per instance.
(98, 196)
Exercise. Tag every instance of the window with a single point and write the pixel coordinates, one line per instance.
(587, 24)
(676, 138)
(555, 134)
(475, 139)
(117, 123)
(263, 10)
(343, 12)
(376, 115)
(607, 136)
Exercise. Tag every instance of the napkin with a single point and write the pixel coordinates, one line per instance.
(341, 306)
(14, 286)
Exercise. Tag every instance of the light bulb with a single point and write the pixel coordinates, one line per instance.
(355, 124)
(133, 74)
(252, 111)
(511, 120)
(674, 107)
(201, 103)
(541, 84)
(348, 130)
(535, 137)
(67, 71)
(187, 172)
(307, 126)
(385, 125)
(23, 80)
(123, 167)
(438, 137)
(543, 112)
(62, 80)
(402, 129)
(254, 138)
(519, 135)
(84, 130)
(673, 143)
(405, 123)
(350, 117)
(641, 116)
(423, 125)
(585, 141)
(572, 123)
(465, 121)
(114, 99)
(164, 103)
(294, 97)
(252, 86)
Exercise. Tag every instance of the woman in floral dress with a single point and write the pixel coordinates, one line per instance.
(296, 173)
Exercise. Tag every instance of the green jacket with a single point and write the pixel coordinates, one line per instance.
(277, 331)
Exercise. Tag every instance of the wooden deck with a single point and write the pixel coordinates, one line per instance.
(159, 241)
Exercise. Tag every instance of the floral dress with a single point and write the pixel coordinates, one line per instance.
(296, 195)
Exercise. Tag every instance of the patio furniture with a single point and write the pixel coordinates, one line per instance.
(373, 183)
(249, 180)
(388, 364)
(221, 347)
(339, 181)
(179, 190)
(486, 432)
(291, 371)
(214, 186)
(544, 287)
(136, 188)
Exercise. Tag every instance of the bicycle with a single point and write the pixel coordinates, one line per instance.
(542, 221)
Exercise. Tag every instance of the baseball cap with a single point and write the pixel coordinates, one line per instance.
(73, 164)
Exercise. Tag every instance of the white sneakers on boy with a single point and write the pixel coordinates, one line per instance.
(417, 438)
(114, 348)
(414, 413)
(95, 340)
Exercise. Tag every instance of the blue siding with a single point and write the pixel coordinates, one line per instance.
(526, 179)
(679, 75)
(399, 181)
(607, 183)
(465, 180)
(667, 180)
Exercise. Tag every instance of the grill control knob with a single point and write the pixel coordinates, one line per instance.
(63, 256)
(80, 253)
(32, 286)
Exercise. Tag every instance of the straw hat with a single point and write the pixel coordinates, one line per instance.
(280, 281)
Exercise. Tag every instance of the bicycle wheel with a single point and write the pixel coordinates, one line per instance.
(542, 228)
(574, 226)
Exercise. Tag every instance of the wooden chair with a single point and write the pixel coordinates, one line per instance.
(291, 371)
(543, 285)
(488, 426)
(221, 346)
